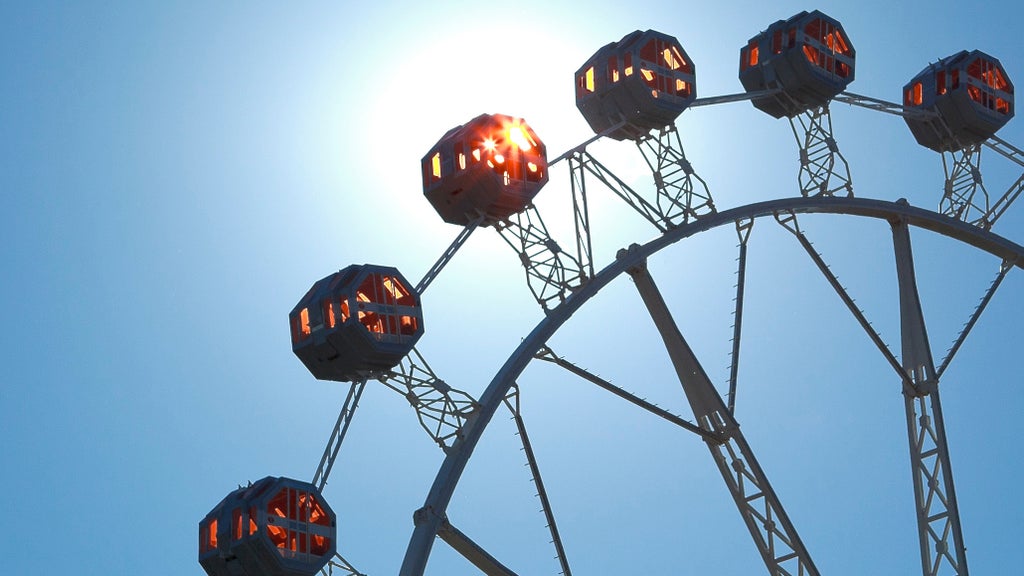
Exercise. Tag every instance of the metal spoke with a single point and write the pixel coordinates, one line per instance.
(548, 355)
(788, 221)
(1004, 268)
(512, 402)
(777, 541)
(743, 228)
(472, 551)
(449, 253)
(348, 409)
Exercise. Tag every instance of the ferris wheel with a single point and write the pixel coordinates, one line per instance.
(362, 324)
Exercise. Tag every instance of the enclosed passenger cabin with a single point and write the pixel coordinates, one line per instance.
(354, 322)
(644, 81)
(275, 527)
(808, 57)
(493, 165)
(971, 95)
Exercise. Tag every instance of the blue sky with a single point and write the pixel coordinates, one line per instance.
(174, 176)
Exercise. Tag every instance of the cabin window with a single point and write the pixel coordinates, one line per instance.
(328, 314)
(777, 42)
(913, 96)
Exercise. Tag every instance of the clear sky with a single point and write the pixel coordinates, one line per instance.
(175, 175)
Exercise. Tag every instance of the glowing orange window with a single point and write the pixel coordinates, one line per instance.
(914, 95)
(211, 540)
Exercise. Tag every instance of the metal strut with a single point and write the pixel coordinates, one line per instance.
(581, 162)
(1004, 268)
(885, 106)
(774, 535)
(348, 409)
(549, 355)
(961, 198)
(441, 409)
(448, 254)
(512, 402)
(342, 565)
(819, 173)
(743, 228)
(551, 273)
(581, 216)
(682, 195)
(471, 551)
(788, 221)
(938, 517)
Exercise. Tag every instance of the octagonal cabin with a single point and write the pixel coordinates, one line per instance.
(275, 527)
(645, 80)
(971, 95)
(354, 322)
(493, 165)
(809, 57)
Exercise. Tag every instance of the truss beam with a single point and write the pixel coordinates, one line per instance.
(823, 169)
(964, 196)
(774, 535)
(938, 518)
(551, 273)
(442, 410)
(682, 196)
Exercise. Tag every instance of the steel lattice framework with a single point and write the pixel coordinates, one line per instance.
(681, 206)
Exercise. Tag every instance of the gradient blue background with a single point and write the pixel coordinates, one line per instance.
(174, 176)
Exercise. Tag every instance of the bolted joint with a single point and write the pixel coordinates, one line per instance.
(551, 245)
(636, 269)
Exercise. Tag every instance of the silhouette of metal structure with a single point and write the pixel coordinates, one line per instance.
(361, 324)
